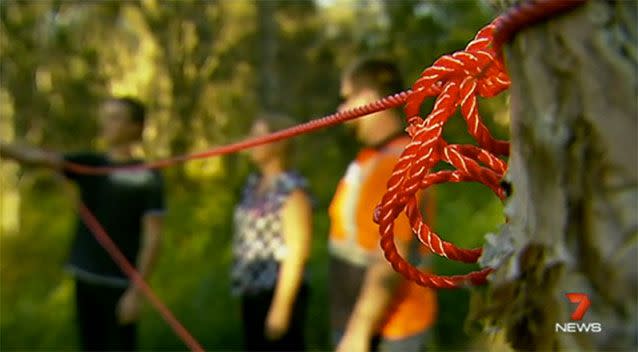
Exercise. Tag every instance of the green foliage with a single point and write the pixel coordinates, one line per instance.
(200, 67)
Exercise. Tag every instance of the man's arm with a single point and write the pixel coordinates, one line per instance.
(380, 281)
(151, 243)
(31, 156)
(130, 304)
(379, 286)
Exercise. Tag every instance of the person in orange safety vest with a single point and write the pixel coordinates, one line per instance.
(372, 307)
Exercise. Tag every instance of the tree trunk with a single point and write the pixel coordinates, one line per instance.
(268, 85)
(572, 218)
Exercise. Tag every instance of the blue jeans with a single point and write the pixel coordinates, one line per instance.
(413, 343)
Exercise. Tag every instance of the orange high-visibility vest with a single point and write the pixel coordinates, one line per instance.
(354, 237)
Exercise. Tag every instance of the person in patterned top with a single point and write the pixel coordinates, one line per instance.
(271, 244)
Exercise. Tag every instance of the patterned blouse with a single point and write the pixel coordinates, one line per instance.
(258, 242)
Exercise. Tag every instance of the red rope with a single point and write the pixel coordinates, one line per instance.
(456, 80)
(388, 102)
(103, 238)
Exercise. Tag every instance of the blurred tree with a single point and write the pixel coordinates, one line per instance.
(268, 39)
(184, 35)
(48, 72)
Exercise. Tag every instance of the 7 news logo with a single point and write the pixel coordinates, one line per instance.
(583, 302)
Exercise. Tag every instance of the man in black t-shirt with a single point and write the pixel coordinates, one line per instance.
(129, 205)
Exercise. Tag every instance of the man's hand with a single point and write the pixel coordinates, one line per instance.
(354, 341)
(277, 323)
(129, 307)
(30, 156)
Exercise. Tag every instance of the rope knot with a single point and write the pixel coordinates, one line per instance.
(455, 80)
(414, 125)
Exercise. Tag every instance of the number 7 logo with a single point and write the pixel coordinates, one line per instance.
(583, 304)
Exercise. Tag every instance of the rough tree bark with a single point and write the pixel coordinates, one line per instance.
(572, 218)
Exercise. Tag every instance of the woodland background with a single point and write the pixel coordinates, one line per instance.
(204, 68)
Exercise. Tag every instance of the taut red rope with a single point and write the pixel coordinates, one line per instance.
(456, 80)
(111, 248)
(388, 102)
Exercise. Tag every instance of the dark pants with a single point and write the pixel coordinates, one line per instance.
(96, 307)
(254, 312)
